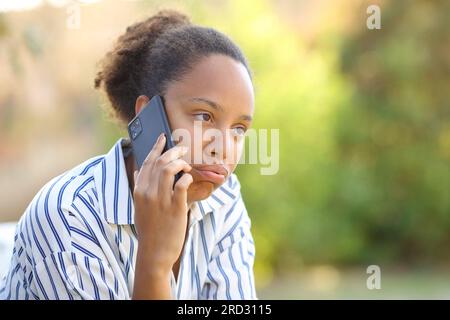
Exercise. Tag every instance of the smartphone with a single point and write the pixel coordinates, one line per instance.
(145, 129)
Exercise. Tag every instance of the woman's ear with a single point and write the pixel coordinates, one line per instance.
(141, 101)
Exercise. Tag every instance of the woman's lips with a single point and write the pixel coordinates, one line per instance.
(214, 173)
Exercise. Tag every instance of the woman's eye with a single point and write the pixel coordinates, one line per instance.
(202, 117)
(239, 131)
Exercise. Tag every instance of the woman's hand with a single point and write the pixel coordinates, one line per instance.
(160, 213)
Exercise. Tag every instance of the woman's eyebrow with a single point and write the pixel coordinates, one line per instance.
(217, 106)
(212, 104)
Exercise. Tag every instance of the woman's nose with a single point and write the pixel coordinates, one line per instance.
(221, 145)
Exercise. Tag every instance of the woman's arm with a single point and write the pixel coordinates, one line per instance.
(151, 281)
(160, 218)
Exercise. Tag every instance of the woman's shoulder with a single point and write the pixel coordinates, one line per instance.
(47, 214)
(62, 189)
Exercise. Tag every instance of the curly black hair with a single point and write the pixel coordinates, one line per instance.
(154, 52)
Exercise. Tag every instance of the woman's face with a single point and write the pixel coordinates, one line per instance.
(213, 104)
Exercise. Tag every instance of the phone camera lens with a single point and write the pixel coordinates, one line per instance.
(135, 128)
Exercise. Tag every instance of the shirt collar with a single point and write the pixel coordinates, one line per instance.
(115, 197)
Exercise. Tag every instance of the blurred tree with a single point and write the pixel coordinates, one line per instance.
(394, 137)
(364, 137)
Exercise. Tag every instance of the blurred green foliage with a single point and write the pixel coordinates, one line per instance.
(364, 137)
(394, 136)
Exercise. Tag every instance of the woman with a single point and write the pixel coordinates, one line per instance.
(78, 238)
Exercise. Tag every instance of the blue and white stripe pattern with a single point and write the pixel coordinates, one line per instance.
(77, 240)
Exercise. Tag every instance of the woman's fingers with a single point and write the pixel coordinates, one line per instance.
(160, 163)
(180, 191)
(171, 155)
(167, 177)
(158, 171)
(135, 176)
(147, 165)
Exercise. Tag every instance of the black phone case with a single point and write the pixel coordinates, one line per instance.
(145, 128)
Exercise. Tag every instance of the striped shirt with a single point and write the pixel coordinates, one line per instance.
(77, 240)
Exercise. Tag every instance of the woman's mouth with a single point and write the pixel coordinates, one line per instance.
(216, 174)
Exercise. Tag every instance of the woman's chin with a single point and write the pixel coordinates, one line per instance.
(200, 190)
